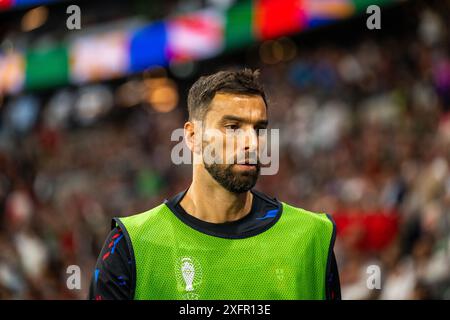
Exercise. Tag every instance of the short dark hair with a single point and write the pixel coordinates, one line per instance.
(244, 81)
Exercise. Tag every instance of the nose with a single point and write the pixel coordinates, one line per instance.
(251, 140)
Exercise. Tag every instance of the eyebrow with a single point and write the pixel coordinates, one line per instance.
(239, 119)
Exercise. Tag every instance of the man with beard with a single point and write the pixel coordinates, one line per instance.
(220, 238)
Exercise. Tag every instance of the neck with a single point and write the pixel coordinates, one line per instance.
(207, 200)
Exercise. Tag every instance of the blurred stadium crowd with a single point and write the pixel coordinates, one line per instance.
(365, 136)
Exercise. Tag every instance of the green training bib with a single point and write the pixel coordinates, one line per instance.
(174, 261)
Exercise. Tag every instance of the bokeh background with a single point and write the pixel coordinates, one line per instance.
(86, 117)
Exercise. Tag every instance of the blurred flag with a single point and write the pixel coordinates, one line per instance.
(46, 67)
(148, 47)
(99, 57)
(9, 4)
(239, 22)
(194, 36)
(274, 18)
(6, 4)
(326, 11)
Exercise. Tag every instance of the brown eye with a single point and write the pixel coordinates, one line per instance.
(232, 126)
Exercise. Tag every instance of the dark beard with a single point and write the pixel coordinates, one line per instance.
(233, 182)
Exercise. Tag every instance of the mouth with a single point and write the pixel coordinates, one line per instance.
(245, 166)
(247, 163)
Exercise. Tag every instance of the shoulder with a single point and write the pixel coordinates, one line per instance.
(292, 214)
(306, 217)
(143, 218)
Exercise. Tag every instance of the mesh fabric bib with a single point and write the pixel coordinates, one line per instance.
(175, 261)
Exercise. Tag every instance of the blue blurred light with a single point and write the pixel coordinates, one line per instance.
(148, 47)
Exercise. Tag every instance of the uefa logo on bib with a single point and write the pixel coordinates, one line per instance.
(189, 276)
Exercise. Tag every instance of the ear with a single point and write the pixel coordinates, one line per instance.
(192, 136)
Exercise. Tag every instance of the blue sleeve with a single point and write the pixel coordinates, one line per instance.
(113, 274)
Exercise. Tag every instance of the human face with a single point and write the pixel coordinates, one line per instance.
(235, 120)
